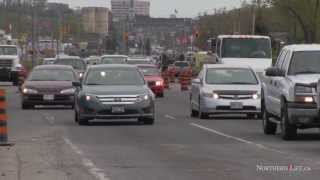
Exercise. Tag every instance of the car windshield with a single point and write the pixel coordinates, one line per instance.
(305, 63)
(8, 50)
(113, 60)
(181, 64)
(149, 71)
(230, 76)
(52, 75)
(246, 48)
(75, 63)
(114, 77)
(139, 62)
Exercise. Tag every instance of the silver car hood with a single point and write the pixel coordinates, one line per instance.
(233, 88)
(304, 78)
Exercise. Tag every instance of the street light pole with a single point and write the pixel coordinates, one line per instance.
(33, 34)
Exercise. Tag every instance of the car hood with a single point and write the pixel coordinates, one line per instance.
(48, 85)
(153, 78)
(304, 78)
(233, 88)
(258, 64)
(115, 90)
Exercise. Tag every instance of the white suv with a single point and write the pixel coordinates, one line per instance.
(289, 91)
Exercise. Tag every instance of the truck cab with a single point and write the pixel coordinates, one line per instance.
(9, 64)
(247, 50)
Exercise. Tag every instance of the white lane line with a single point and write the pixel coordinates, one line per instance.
(93, 169)
(170, 117)
(260, 146)
(49, 118)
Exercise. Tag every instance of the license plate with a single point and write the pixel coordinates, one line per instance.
(48, 97)
(117, 109)
(236, 105)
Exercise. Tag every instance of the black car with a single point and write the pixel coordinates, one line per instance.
(114, 92)
(49, 85)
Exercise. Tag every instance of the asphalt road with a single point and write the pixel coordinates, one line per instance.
(177, 147)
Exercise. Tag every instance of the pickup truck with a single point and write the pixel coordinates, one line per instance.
(10, 66)
(290, 91)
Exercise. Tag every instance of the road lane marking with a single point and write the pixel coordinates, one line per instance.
(93, 169)
(49, 118)
(170, 117)
(260, 146)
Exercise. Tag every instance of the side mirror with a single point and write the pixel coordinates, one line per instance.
(76, 84)
(274, 72)
(196, 81)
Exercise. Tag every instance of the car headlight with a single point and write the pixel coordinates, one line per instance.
(90, 97)
(29, 91)
(144, 97)
(302, 90)
(68, 91)
(159, 83)
(256, 96)
(80, 75)
(207, 94)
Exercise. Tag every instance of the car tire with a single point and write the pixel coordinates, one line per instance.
(26, 106)
(288, 131)
(161, 95)
(269, 128)
(81, 121)
(148, 121)
(202, 115)
(76, 116)
(193, 113)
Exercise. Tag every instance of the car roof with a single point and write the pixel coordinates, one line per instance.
(303, 47)
(102, 66)
(52, 66)
(244, 36)
(217, 66)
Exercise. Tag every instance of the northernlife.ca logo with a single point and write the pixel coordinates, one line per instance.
(288, 168)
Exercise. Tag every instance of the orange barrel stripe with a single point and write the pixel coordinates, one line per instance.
(2, 93)
(3, 104)
(3, 117)
(3, 131)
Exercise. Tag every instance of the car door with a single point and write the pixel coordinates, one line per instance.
(195, 90)
(272, 101)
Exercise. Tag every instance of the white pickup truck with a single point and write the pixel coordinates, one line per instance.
(9, 64)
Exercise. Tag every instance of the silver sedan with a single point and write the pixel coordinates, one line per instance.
(225, 89)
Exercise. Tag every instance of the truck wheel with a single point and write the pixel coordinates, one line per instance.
(269, 128)
(288, 131)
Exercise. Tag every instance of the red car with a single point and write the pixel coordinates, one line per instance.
(153, 76)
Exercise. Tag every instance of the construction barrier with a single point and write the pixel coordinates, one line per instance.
(165, 77)
(185, 79)
(3, 119)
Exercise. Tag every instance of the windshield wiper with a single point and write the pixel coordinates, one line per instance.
(307, 72)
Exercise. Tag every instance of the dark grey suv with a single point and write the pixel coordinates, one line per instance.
(114, 92)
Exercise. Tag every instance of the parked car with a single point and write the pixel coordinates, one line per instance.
(114, 92)
(78, 64)
(114, 59)
(49, 85)
(225, 89)
(153, 77)
(290, 91)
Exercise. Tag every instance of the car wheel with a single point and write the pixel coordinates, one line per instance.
(194, 113)
(202, 115)
(26, 106)
(81, 121)
(288, 131)
(148, 121)
(269, 128)
(76, 116)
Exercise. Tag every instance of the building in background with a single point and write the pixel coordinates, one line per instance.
(124, 9)
(26, 2)
(96, 20)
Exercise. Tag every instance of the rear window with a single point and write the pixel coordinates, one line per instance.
(149, 71)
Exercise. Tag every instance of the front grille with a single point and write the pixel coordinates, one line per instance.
(235, 95)
(127, 112)
(48, 90)
(248, 108)
(117, 99)
(62, 97)
(6, 63)
(39, 97)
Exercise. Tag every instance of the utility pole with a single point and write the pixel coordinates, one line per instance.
(33, 34)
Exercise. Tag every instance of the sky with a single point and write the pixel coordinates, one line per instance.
(163, 8)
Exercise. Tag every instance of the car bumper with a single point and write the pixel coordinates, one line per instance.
(67, 100)
(157, 89)
(222, 106)
(305, 114)
(101, 111)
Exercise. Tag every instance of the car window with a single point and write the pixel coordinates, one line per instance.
(150, 71)
(281, 59)
(305, 62)
(52, 75)
(113, 60)
(230, 76)
(286, 61)
(114, 77)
